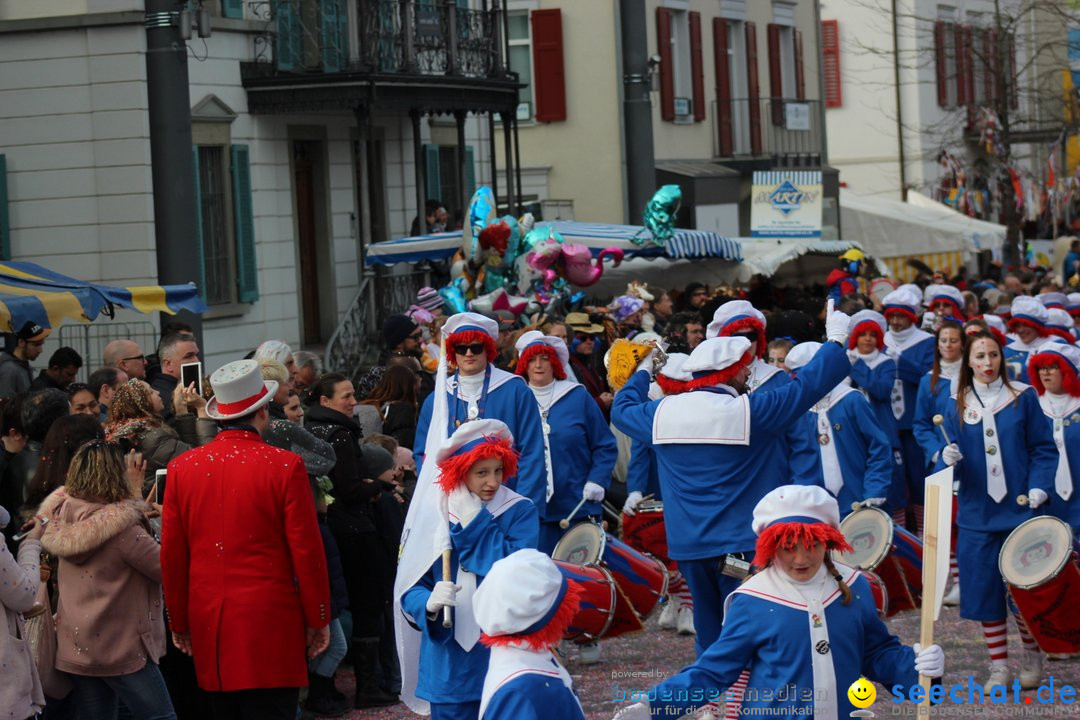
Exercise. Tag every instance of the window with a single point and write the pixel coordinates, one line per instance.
(830, 52)
(682, 75)
(945, 56)
(521, 61)
(218, 261)
(441, 176)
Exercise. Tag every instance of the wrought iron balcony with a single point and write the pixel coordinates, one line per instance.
(769, 127)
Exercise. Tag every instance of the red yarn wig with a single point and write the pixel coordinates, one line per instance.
(1016, 321)
(1060, 332)
(538, 348)
(454, 469)
(788, 535)
(720, 377)
(745, 324)
(549, 635)
(866, 326)
(1070, 383)
(670, 386)
(468, 337)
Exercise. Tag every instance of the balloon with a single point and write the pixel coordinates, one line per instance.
(659, 215)
(453, 298)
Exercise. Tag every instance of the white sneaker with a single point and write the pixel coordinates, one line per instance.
(952, 598)
(1031, 668)
(999, 675)
(685, 621)
(589, 653)
(669, 615)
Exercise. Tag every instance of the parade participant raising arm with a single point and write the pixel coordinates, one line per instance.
(803, 621)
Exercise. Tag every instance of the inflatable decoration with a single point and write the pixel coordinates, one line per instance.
(557, 260)
(659, 216)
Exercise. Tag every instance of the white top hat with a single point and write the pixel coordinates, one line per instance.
(796, 503)
(864, 316)
(471, 434)
(520, 594)
(718, 353)
(801, 354)
(238, 390)
(729, 312)
(675, 367)
(471, 321)
(1028, 308)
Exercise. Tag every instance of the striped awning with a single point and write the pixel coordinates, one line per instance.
(948, 263)
(32, 293)
(596, 236)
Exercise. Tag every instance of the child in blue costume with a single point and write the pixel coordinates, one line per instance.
(806, 626)
(477, 389)
(1028, 322)
(488, 521)
(1053, 370)
(851, 457)
(1003, 448)
(524, 608)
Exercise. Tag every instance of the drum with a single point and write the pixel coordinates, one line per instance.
(887, 550)
(881, 595)
(642, 578)
(598, 599)
(645, 532)
(1038, 562)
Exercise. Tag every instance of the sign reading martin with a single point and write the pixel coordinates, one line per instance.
(786, 203)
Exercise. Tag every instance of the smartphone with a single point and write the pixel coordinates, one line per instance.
(192, 373)
(19, 536)
(159, 480)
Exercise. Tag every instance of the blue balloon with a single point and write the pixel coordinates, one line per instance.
(453, 298)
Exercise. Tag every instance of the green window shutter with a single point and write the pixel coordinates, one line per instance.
(432, 176)
(247, 275)
(5, 222)
(198, 222)
(333, 20)
(289, 43)
(470, 172)
(232, 8)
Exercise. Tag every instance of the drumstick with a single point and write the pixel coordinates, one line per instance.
(939, 420)
(1022, 500)
(446, 576)
(565, 522)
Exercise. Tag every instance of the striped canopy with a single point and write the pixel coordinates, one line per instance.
(31, 293)
(596, 236)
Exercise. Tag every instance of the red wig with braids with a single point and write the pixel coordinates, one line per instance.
(789, 534)
(453, 470)
(539, 348)
(549, 635)
(468, 337)
(720, 377)
(1070, 383)
(670, 386)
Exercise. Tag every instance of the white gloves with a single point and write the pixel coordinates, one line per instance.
(836, 325)
(646, 363)
(637, 711)
(951, 454)
(593, 492)
(444, 594)
(929, 662)
(873, 502)
(632, 501)
(464, 505)
(1036, 497)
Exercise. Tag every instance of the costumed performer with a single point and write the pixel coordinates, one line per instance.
(1053, 372)
(1027, 321)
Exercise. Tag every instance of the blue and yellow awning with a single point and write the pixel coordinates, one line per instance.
(29, 292)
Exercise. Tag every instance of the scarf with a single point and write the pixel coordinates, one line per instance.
(1057, 407)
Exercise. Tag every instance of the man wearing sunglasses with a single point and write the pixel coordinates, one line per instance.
(23, 347)
(476, 389)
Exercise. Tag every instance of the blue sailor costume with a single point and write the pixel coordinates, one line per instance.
(1062, 410)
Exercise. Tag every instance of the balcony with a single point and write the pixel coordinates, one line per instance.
(785, 130)
(428, 55)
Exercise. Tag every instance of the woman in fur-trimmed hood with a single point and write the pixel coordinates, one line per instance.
(109, 623)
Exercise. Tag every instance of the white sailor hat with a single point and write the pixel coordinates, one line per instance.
(902, 300)
(520, 594)
(1053, 300)
(462, 322)
(1073, 302)
(734, 314)
(866, 317)
(715, 354)
(675, 367)
(805, 504)
(472, 434)
(1029, 311)
(537, 338)
(801, 354)
(1059, 319)
(948, 294)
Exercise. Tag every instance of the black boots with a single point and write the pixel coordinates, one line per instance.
(323, 698)
(365, 665)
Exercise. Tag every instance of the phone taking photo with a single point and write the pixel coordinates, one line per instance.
(192, 373)
(159, 482)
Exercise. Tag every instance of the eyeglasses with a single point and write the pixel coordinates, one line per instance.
(140, 358)
(417, 335)
(474, 348)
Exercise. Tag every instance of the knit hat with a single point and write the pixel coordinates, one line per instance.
(1028, 311)
(902, 301)
(737, 316)
(396, 328)
(374, 460)
(1053, 300)
(792, 515)
(471, 442)
(467, 328)
(533, 343)
(865, 321)
(950, 295)
(801, 354)
(716, 360)
(526, 600)
(1060, 323)
(428, 298)
(1062, 356)
(673, 377)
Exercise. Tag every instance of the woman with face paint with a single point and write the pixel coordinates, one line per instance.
(1002, 448)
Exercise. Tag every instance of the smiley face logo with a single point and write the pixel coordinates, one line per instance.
(862, 693)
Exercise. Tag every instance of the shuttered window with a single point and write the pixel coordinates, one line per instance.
(830, 55)
(776, 74)
(247, 275)
(754, 90)
(697, 67)
(548, 70)
(667, 68)
(722, 68)
(232, 8)
(800, 72)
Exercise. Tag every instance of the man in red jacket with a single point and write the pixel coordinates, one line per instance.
(242, 559)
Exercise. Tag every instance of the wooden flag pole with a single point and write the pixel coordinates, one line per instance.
(446, 576)
(929, 578)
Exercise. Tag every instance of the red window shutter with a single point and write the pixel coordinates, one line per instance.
(961, 65)
(992, 72)
(776, 76)
(1014, 81)
(722, 66)
(755, 90)
(987, 65)
(667, 72)
(800, 79)
(697, 67)
(939, 64)
(969, 64)
(548, 71)
(830, 57)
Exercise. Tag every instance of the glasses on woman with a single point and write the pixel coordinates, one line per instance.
(474, 348)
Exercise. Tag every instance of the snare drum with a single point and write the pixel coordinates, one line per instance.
(605, 610)
(645, 532)
(644, 579)
(887, 550)
(1038, 562)
(877, 589)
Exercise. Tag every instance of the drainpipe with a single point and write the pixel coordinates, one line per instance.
(637, 109)
(899, 106)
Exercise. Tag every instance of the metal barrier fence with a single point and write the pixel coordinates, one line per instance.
(90, 340)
